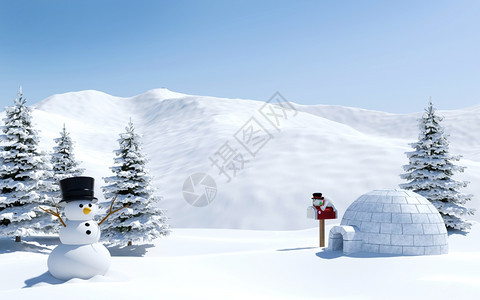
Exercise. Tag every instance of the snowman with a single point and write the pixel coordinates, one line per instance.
(79, 255)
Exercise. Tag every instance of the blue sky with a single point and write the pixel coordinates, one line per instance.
(382, 55)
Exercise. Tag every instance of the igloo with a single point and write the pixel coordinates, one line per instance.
(392, 221)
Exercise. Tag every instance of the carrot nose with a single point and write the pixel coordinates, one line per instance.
(87, 210)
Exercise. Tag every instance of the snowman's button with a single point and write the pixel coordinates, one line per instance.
(87, 224)
(88, 232)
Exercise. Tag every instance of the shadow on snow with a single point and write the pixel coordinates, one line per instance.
(295, 249)
(134, 250)
(456, 232)
(45, 278)
(45, 244)
(35, 244)
(326, 254)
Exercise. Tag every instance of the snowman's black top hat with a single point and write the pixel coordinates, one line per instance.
(77, 188)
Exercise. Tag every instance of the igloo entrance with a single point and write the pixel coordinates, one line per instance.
(346, 238)
(335, 242)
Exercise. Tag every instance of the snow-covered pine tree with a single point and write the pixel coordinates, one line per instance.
(430, 172)
(63, 160)
(23, 174)
(141, 222)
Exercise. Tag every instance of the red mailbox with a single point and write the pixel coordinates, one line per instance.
(322, 209)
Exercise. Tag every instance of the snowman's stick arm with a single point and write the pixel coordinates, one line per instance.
(56, 214)
(112, 212)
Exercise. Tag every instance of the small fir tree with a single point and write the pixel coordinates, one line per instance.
(23, 175)
(430, 172)
(63, 160)
(141, 222)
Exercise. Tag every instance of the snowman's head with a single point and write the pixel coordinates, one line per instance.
(80, 210)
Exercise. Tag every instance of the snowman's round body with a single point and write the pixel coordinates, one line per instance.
(80, 255)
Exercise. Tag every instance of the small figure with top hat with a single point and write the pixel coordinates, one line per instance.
(318, 200)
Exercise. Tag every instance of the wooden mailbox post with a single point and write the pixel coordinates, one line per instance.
(321, 210)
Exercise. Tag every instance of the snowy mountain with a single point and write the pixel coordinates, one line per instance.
(342, 152)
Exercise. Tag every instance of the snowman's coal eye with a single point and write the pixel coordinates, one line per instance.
(89, 205)
(81, 205)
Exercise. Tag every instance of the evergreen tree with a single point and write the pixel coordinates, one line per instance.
(430, 172)
(141, 222)
(63, 160)
(23, 173)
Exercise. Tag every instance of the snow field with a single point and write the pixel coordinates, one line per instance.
(219, 263)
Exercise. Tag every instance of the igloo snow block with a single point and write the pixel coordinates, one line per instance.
(391, 221)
